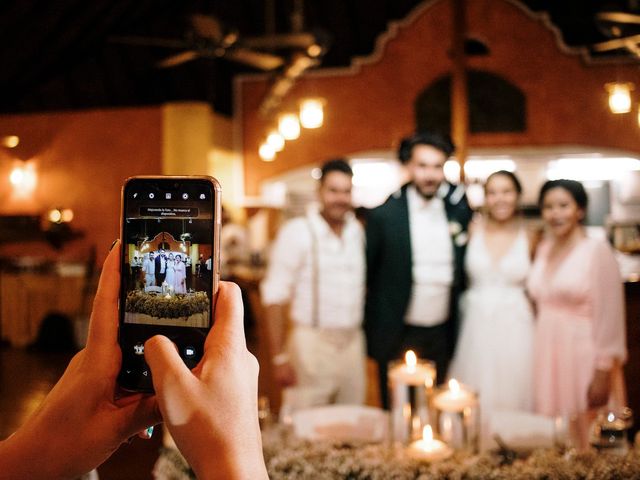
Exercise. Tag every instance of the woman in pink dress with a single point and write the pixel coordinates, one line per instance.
(180, 275)
(580, 342)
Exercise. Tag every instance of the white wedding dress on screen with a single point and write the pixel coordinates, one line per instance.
(494, 353)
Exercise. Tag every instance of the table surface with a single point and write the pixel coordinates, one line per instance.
(26, 298)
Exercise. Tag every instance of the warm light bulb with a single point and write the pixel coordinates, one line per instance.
(67, 215)
(11, 141)
(289, 126)
(275, 140)
(23, 178)
(619, 96)
(55, 216)
(266, 152)
(312, 113)
(16, 176)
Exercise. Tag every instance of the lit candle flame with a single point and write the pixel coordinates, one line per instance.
(454, 386)
(427, 434)
(411, 360)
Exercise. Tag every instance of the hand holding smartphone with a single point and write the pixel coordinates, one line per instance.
(170, 231)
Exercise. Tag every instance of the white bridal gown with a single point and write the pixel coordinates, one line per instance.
(494, 353)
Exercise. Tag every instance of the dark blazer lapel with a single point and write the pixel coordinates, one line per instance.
(402, 232)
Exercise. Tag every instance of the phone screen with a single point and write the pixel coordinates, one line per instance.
(168, 269)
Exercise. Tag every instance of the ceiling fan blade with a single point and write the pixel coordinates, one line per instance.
(178, 59)
(259, 60)
(619, 17)
(207, 27)
(616, 44)
(282, 40)
(147, 41)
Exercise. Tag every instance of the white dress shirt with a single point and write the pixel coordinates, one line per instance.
(337, 263)
(432, 254)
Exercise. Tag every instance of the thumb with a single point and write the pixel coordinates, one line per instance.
(166, 365)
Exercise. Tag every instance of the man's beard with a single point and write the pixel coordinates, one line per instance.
(427, 195)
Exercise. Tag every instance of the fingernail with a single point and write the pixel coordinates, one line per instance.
(113, 244)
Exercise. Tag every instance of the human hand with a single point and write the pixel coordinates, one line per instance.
(599, 388)
(285, 375)
(212, 411)
(80, 423)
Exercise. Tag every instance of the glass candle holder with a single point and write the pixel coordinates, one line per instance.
(609, 431)
(457, 412)
(410, 387)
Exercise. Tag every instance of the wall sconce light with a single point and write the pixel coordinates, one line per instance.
(10, 141)
(289, 126)
(266, 152)
(312, 112)
(275, 140)
(60, 215)
(23, 178)
(619, 96)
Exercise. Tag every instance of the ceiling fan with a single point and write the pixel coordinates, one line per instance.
(208, 37)
(623, 28)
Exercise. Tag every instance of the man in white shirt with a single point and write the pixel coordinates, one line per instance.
(149, 270)
(317, 268)
(415, 252)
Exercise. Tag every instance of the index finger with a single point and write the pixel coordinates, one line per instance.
(103, 328)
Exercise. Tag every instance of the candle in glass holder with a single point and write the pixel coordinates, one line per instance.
(410, 384)
(609, 430)
(458, 416)
(429, 448)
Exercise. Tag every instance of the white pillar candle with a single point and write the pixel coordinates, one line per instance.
(410, 383)
(455, 397)
(458, 416)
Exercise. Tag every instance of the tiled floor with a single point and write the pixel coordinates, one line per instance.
(26, 378)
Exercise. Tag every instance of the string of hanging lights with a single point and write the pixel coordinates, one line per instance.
(290, 125)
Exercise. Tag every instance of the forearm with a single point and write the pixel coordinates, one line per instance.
(232, 465)
(24, 455)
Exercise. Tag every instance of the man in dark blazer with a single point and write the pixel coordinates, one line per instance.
(161, 267)
(416, 242)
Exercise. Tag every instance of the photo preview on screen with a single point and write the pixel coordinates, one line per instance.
(169, 244)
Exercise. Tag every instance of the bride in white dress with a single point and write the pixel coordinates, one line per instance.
(494, 350)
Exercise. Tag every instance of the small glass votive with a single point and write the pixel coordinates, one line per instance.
(457, 410)
(410, 387)
(609, 431)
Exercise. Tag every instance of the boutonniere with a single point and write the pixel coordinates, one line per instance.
(454, 228)
(458, 235)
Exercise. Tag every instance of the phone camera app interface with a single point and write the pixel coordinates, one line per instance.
(168, 256)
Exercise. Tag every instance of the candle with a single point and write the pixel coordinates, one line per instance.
(410, 383)
(458, 416)
(454, 398)
(412, 371)
(609, 431)
(429, 448)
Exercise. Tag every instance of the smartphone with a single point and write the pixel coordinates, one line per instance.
(170, 238)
